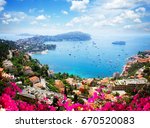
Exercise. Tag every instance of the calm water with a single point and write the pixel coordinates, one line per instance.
(94, 58)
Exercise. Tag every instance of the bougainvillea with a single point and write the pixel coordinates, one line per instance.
(98, 102)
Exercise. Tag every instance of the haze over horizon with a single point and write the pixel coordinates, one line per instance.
(95, 17)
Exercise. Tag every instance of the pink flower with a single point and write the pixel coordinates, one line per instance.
(8, 103)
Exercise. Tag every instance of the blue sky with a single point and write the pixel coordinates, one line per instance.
(91, 16)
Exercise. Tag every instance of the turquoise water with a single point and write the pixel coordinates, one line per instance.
(95, 58)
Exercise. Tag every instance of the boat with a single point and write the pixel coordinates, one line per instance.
(44, 52)
(119, 43)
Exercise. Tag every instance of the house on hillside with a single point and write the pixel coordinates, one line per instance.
(37, 82)
(34, 79)
(28, 71)
(71, 81)
(1, 71)
(59, 84)
(10, 55)
(8, 65)
(32, 94)
(129, 84)
(88, 81)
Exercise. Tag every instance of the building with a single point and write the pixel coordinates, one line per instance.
(28, 71)
(8, 65)
(27, 57)
(88, 81)
(71, 81)
(105, 81)
(116, 75)
(129, 83)
(10, 55)
(59, 84)
(1, 71)
(143, 60)
(38, 85)
(32, 94)
(7, 77)
(50, 72)
(34, 79)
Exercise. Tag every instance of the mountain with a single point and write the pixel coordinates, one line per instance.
(71, 36)
(25, 34)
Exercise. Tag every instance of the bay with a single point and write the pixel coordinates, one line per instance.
(95, 58)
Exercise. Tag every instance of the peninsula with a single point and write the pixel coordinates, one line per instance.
(36, 44)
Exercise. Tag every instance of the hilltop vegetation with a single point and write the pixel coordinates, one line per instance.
(5, 46)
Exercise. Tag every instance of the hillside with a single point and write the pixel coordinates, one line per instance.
(5, 46)
(27, 85)
(71, 36)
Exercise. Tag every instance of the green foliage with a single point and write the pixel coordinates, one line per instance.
(52, 88)
(81, 101)
(75, 99)
(63, 76)
(116, 94)
(5, 46)
(133, 69)
(146, 73)
(1, 87)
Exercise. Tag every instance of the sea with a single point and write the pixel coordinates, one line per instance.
(91, 59)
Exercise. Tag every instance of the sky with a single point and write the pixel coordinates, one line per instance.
(95, 17)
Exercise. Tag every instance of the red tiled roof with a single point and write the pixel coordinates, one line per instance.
(34, 79)
(143, 60)
(1, 69)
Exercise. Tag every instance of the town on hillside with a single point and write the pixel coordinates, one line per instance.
(40, 84)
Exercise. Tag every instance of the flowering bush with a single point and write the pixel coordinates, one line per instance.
(98, 102)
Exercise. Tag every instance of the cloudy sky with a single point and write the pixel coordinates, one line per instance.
(91, 16)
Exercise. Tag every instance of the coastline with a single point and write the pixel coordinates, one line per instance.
(40, 52)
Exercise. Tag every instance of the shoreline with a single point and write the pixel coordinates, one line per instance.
(40, 52)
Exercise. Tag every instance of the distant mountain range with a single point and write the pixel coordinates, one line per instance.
(71, 36)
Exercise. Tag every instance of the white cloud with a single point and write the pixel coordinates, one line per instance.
(64, 12)
(2, 4)
(13, 17)
(130, 14)
(98, 19)
(44, 25)
(34, 22)
(86, 21)
(41, 17)
(140, 9)
(127, 26)
(79, 5)
(118, 4)
(7, 15)
(127, 16)
(137, 20)
(79, 20)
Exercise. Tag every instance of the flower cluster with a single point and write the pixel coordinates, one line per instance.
(100, 101)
